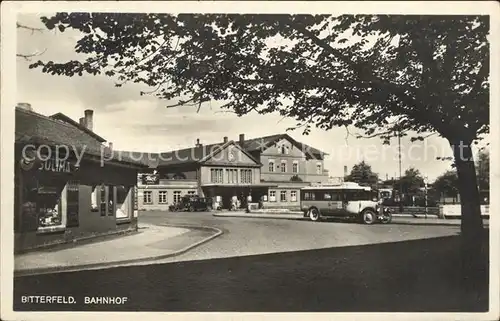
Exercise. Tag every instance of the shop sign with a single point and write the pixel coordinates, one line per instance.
(54, 165)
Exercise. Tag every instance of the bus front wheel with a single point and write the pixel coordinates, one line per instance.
(314, 214)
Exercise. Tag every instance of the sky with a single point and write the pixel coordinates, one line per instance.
(143, 123)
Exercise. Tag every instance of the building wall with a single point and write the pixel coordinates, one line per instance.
(184, 187)
(89, 224)
(287, 189)
(307, 169)
(231, 155)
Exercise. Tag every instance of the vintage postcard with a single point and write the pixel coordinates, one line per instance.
(250, 160)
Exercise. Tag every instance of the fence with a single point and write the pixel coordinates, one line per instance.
(414, 210)
(456, 210)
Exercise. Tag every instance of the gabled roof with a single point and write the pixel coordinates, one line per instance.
(150, 160)
(34, 128)
(260, 144)
(63, 117)
(198, 154)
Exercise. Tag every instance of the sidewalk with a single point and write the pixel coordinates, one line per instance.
(152, 242)
(284, 215)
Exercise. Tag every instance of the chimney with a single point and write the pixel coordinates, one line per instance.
(345, 171)
(242, 139)
(198, 142)
(82, 122)
(89, 121)
(225, 139)
(25, 106)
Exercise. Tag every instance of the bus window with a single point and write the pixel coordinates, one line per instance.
(357, 195)
(336, 196)
(326, 196)
(309, 196)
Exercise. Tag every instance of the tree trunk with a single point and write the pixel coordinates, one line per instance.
(474, 264)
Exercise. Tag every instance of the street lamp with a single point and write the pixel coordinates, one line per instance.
(400, 185)
(426, 179)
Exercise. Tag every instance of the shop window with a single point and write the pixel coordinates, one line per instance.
(102, 191)
(111, 200)
(293, 196)
(136, 206)
(41, 201)
(48, 205)
(72, 203)
(177, 196)
(94, 198)
(282, 196)
(272, 196)
(147, 197)
(122, 204)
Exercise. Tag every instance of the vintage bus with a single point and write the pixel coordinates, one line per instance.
(348, 200)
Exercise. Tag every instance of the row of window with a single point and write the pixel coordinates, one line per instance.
(295, 167)
(147, 196)
(336, 195)
(231, 177)
(283, 196)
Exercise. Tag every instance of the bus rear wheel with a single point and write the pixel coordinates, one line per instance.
(314, 214)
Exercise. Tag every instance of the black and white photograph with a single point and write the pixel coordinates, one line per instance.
(239, 157)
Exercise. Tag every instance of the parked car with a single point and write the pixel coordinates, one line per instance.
(192, 203)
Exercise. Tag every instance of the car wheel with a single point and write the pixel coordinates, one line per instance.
(191, 208)
(368, 217)
(386, 218)
(314, 214)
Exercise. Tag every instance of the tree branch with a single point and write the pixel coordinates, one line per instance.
(30, 56)
(21, 26)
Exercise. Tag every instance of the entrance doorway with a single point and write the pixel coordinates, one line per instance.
(241, 192)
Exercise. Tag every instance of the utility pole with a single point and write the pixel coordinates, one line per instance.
(400, 175)
(425, 185)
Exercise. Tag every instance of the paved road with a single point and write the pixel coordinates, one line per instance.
(281, 265)
(250, 236)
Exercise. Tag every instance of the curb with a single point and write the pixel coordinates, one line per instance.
(268, 216)
(35, 271)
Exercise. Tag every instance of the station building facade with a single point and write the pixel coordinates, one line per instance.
(64, 191)
(271, 169)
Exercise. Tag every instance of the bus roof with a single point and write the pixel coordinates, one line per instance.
(345, 185)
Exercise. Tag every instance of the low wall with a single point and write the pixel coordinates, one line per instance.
(454, 210)
(415, 210)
